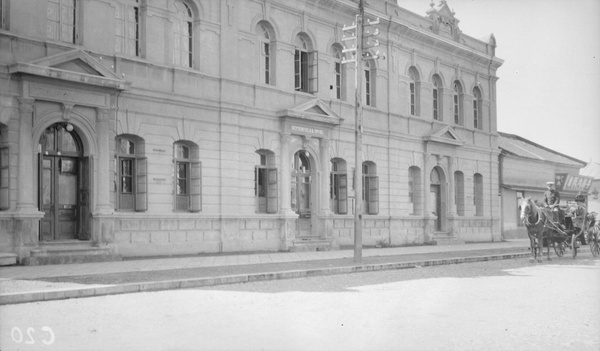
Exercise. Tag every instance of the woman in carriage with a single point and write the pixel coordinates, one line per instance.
(579, 216)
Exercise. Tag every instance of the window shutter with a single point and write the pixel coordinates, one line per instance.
(272, 191)
(40, 182)
(297, 71)
(196, 187)
(141, 185)
(343, 194)
(85, 186)
(4, 179)
(313, 69)
(256, 181)
(373, 194)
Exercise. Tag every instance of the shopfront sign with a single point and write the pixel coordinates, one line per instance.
(572, 183)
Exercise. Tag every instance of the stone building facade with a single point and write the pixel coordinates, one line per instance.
(159, 127)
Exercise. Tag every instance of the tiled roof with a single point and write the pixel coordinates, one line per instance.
(522, 147)
(591, 170)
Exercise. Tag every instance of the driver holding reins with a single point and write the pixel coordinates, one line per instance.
(552, 199)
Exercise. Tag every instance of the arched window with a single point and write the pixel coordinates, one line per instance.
(370, 188)
(338, 72)
(415, 91)
(478, 194)
(477, 111)
(459, 192)
(415, 190)
(188, 177)
(266, 53)
(127, 27)
(338, 186)
(182, 34)
(265, 182)
(132, 169)
(457, 103)
(62, 20)
(437, 98)
(305, 66)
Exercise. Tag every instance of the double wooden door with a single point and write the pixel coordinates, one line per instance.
(63, 186)
(301, 188)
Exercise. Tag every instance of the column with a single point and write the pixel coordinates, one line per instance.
(103, 205)
(25, 199)
(286, 176)
(324, 177)
(426, 185)
(451, 188)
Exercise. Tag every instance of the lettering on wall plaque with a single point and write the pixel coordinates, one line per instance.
(308, 130)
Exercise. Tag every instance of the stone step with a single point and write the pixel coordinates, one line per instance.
(447, 240)
(65, 252)
(68, 251)
(310, 244)
(65, 244)
(8, 259)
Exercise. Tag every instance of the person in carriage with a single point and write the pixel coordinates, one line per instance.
(552, 200)
(579, 216)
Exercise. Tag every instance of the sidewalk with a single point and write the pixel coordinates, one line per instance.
(19, 284)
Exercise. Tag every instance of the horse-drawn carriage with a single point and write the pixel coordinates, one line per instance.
(565, 235)
(569, 230)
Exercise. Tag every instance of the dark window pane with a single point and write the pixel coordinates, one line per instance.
(181, 187)
(126, 185)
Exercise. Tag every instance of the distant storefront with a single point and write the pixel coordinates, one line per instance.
(525, 167)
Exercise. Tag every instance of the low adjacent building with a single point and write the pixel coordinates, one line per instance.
(525, 167)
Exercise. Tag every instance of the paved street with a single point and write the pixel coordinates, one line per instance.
(496, 305)
(20, 284)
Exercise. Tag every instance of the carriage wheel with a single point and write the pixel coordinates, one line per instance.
(574, 245)
(559, 249)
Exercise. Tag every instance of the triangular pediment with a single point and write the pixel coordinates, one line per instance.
(446, 135)
(76, 66)
(313, 110)
(316, 110)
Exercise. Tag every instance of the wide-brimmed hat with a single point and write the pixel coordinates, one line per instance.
(580, 198)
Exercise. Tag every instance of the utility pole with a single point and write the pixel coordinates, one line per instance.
(359, 52)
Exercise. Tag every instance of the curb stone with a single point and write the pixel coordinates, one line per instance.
(69, 293)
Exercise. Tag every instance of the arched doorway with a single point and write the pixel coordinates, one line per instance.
(63, 185)
(436, 198)
(301, 199)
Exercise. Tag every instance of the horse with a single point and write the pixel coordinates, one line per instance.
(535, 220)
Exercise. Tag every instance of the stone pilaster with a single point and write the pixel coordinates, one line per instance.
(428, 221)
(25, 198)
(451, 188)
(103, 206)
(286, 176)
(324, 207)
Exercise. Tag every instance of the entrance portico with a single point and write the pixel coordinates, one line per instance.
(65, 104)
(305, 159)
